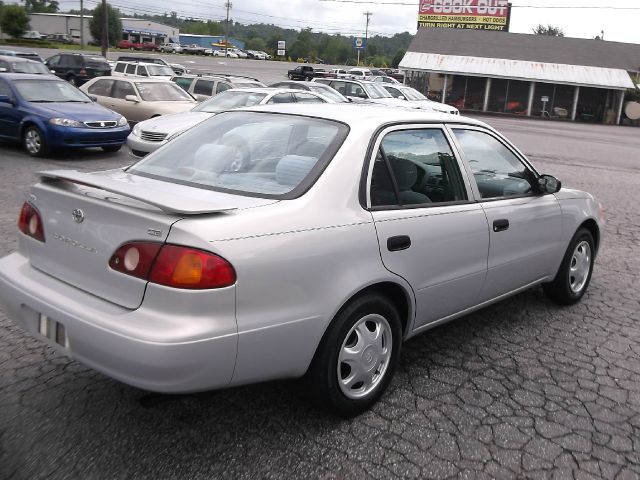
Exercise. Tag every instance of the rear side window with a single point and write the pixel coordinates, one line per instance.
(120, 67)
(101, 87)
(303, 97)
(131, 68)
(281, 98)
(203, 87)
(415, 167)
(97, 63)
(222, 86)
(4, 89)
(142, 71)
(122, 89)
(266, 155)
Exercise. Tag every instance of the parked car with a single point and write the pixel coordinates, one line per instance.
(143, 70)
(152, 134)
(212, 278)
(204, 86)
(336, 73)
(78, 68)
(141, 59)
(221, 52)
(139, 98)
(47, 114)
(364, 91)
(29, 55)
(193, 49)
(315, 87)
(129, 45)
(150, 47)
(171, 48)
(413, 96)
(359, 74)
(257, 55)
(22, 65)
(386, 79)
(301, 72)
(33, 35)
(239, 53)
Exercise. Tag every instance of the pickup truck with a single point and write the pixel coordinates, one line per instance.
(301, 72)
(193, 49)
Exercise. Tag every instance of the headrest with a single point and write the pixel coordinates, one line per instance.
(213, 157)
(291, 169)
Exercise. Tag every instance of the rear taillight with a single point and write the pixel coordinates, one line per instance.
(83, 72)
(173, 265)
(30, 222)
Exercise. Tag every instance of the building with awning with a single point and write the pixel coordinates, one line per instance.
(531, 75)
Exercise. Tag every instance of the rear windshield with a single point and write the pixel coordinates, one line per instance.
(97, 62)
(30, 67)
(230, 99)
(162, 92)
(258, 154)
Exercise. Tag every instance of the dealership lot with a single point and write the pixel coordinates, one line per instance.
(521, 389)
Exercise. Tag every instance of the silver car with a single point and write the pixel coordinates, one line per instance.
(414, 97)
(352, 229)
(152, 134)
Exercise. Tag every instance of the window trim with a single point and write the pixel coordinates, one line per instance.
(374, 145)
(508, 145)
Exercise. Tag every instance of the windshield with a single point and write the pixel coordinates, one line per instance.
(376, 91)
(261, 154)
(413, 94)
(229, 99)
(28, 67)
(160, 70)
(329, 92)
(162, 92)
(49, 91)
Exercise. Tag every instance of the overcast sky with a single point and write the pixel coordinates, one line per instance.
(620, 23)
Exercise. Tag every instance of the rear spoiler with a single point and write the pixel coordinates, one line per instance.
(171, 203)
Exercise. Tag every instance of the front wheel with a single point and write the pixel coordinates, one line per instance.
(34, 142)
(357, 356)
(290, 76)
(574, 274)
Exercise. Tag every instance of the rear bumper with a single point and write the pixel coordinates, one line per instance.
(68, 137)
(151, 348)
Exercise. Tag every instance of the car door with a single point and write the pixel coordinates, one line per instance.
(119, 103)
(431, 231)
(10, 115)
(525, 226)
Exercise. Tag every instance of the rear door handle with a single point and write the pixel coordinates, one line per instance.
(400, 242)
(500, 225)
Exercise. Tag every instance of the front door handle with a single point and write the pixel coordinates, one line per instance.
(500, 225)
(400, 242)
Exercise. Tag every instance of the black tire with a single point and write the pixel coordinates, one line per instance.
(34, 142)
(72, 80)
(290, 76)
(111, 148)
(323, 380)
(308, 79)
(567, 287)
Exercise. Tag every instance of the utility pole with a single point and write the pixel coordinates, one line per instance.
(81, 24)
(366, 34)
(228, 6)
(105, 27)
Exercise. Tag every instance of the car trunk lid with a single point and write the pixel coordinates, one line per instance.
(86, 217)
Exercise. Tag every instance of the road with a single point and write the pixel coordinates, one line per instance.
(522, 389)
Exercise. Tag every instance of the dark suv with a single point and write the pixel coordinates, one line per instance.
(301, 72)
(77, 68)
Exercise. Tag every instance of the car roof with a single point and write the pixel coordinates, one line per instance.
(9, 58)
(29, 76)
(363, 114)
(264, 90)
(134, 79)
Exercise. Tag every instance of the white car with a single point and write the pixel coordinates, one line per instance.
(359, 74)
(350, 230)
(221, 53)
(152, 134)
(414, 97)
(148, 70)
(171, 48)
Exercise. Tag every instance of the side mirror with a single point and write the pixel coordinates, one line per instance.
(93, 98)
(549, 184)
(131, 98)
(6, 99)
(401, 97)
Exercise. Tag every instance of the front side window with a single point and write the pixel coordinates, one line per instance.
(120, 67)
(121, 89)
(281, 98)
(5, 90)
(261, 154)
(131, 69)
(222, 86)
(54, 61)
(496, 169)
(183, 83)
(203, 87)
(415, 167)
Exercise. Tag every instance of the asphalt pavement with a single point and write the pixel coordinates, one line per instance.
(522, 389)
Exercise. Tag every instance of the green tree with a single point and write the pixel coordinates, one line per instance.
(549, 30)
(256, 43)
(397, 58)
(114, 24)
(14, 21)
(302, 47)
(41, 6)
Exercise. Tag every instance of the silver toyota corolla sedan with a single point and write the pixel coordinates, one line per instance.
(348, 230)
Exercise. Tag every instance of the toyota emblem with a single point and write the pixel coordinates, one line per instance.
(78, 215)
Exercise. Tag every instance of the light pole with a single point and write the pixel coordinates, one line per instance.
(105, 29)
(366, 34)
(81, 25)
(227, 5)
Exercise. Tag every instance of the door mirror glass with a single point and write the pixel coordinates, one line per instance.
(131, 98)
(549, 184)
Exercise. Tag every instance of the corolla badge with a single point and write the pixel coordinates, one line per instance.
(78, 215)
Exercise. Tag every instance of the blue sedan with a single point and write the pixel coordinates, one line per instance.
(45, 113)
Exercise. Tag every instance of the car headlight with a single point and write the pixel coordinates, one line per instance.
(122, 122)
(136, 130)
(65, 122)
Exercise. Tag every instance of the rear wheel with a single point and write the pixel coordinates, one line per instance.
(574, 274)
(290, 76)
(357, 356)
(34, 142)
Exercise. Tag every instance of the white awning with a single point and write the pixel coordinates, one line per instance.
(610, 78)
